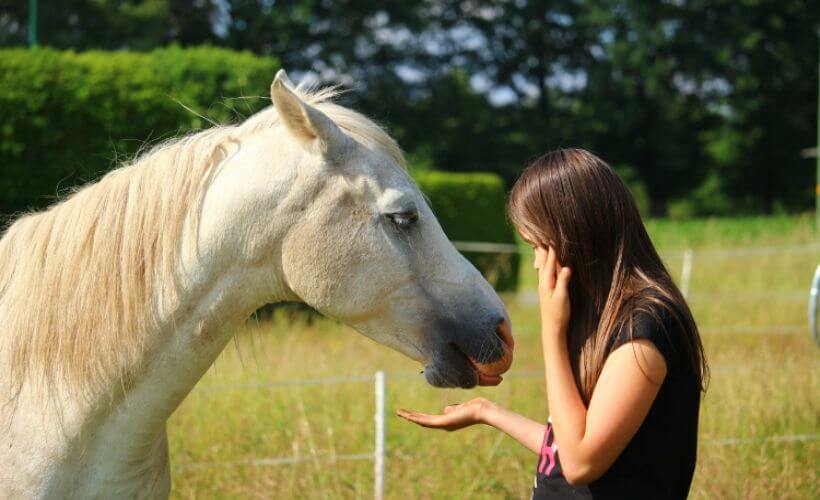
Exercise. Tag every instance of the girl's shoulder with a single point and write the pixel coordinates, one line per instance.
(653, 317)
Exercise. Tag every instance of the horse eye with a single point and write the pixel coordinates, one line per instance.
(403, 219)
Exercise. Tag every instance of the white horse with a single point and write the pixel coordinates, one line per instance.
(114, 302)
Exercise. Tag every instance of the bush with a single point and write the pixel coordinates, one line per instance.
(69, 117)
(472, 207)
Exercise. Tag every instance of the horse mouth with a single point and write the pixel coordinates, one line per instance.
(455, 365)
(458, 369)
(485, 379)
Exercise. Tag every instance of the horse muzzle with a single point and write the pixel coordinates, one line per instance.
(471, 360)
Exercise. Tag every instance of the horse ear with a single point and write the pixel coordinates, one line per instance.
(305, 122)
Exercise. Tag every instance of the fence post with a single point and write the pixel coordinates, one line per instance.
(32, 23)
(813, 298)
(686, 272)
(378, 465)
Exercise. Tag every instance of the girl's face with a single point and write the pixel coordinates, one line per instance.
(539, 251)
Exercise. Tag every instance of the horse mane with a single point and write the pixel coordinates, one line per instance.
(82, 283)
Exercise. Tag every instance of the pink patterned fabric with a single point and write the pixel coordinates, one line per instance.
(549, 454)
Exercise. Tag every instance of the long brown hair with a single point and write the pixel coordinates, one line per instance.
(575, 202)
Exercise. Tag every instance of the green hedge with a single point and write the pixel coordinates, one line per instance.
(472, 207)
(68, 117)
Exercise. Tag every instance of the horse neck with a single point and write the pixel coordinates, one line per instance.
(218, 291)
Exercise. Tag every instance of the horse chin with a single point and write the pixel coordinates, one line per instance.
(463, 378)
(444, 377)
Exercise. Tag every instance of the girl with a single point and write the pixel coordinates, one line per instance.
(624, 361)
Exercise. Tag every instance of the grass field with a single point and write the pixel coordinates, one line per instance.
(765, 383)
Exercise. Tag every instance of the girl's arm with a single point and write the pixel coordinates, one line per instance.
(482, 411)
(590, 439)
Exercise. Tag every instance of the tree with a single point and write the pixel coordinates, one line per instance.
(638, 97)
(760, 58)
(111, 24)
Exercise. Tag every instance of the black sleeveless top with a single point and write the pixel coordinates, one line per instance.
(659, 461)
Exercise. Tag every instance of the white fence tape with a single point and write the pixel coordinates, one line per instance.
(750, 295)
(755, 330)
(484, 246)
(284, 383)
(794, 438)
(259, 462)
(686, 272)
(378, 458)
(753, 251)
(813, 299)
(491, 247)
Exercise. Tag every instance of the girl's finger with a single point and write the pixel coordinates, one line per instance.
(413, 416)
(549, 270)
(449, 408)
(432, 421)
(562, 284)
(540, 258)
(408, 414)
(422, 418)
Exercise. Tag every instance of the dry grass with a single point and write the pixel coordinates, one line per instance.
(765, 383)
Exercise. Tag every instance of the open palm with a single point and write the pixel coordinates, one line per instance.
(453, 418)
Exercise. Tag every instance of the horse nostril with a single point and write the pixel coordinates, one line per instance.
(504, 331)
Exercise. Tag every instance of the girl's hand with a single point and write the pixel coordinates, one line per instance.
(455, 417)
(482, 411)
(553, 291)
